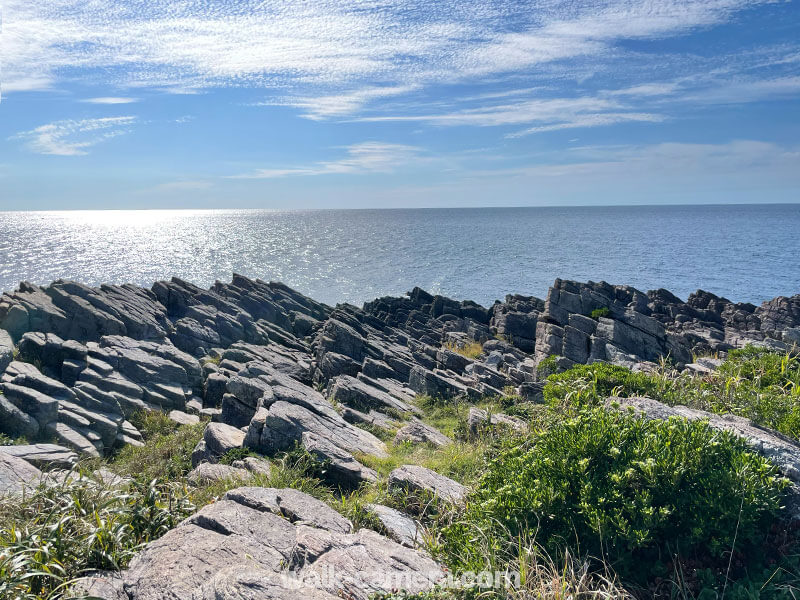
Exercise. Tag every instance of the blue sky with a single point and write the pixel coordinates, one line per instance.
(261, 103)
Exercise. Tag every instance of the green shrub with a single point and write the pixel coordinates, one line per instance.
(62, 531)
(623, 488)
(591, 384)
(755, 383)
(600, 312)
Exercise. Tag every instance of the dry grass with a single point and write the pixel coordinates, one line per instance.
(471, 350)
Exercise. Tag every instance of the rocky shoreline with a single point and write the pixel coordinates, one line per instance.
(76, 361)
(272, 370)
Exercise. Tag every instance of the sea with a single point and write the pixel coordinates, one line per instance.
(747, 253)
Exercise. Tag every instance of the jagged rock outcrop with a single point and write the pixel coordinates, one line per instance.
(286, 370)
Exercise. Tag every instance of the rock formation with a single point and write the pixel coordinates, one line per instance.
(274, 369)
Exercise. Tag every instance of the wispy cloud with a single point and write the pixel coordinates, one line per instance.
(366, 157)
(74, 138)
(110, 100)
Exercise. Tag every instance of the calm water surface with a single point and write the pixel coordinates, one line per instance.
(747, 253)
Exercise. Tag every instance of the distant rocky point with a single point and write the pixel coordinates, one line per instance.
(272, 368)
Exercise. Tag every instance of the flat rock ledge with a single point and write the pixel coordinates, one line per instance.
(263, 544)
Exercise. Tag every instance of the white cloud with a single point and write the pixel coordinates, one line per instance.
(73, 138)
(366, 157)
(110, 100)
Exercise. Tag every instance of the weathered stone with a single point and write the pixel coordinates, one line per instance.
(294, 505)
(6, 349)
(400, 527)
(218, 438)
(479, 419)
(16, 475)
(418, 432)
(206, 473)
(413, 478)
(257, 466)
(15, 422)
(182, 418)
(358, 395)
(341, 467)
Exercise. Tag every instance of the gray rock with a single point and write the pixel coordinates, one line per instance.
(182, 418)
(257, 466)
(100, 585)
(400, 527)
(213, 390)
(283, 424)
(36, 404)
(356, 394)
(413, 478)
(77, 438)
(15, 422)
(6, 350)
(206, 473)
(479, 418)
(373, 418)
(294, 505)
(16, 475)
(218, 438)
(49, 456)
(341, 467)
(418, 432)
(234, 551)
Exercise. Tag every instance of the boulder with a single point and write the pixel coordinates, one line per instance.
(356, 394)
(182, 418)
(399, 526)
(418, 432)
(340, 466)
(479, 419)
(218, 438)
(257, 466)
(206, 473)
(16, 475)
(415, 479)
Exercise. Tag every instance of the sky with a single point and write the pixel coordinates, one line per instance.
(380, 103)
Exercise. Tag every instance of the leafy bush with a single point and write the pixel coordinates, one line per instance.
(600, 312)
(626, 489)
(591, 384)
(61, 531)
(755, 383)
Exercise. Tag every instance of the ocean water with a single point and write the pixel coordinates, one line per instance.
(746, 253)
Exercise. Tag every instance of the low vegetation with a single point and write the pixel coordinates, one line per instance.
(591, 503)
(760, 385)
(471, 350)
